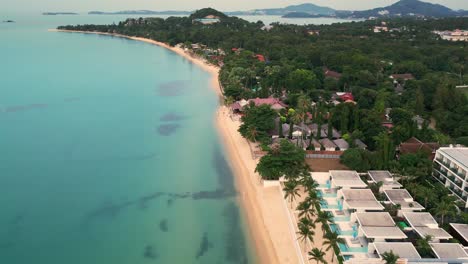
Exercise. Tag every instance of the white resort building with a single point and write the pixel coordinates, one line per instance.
(451, 169)
(456, 35)
(370, 229)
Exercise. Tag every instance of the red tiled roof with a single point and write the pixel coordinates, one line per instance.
(347, 97)
(260, 57)
(268, 101)
(236, 106)
(414, 145)
(332, 74)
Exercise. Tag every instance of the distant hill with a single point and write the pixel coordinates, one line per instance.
(303, 8)
(403, 8)
(140, 12)
(406, 8)
(202, 13)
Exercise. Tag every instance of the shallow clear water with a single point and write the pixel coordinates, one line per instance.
(108, 152)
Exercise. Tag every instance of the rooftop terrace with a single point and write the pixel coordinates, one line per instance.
(424, 224)
(350, 179)
(403, 198)
(402, 249)
(379, 225)
(361, 199)
(449, 251)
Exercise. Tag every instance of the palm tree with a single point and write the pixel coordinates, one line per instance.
(318, 255)
(303, 106)
(314, 198)
(332, 239)
(446, 207)
(252, 133)
(424, 193)
(390, 257)
(423, 246)
(309, 183)
(228, 101)
(305, 230)
(306, 209)
(325, 218)
(291, 191)
(296, 119)
(375, 187)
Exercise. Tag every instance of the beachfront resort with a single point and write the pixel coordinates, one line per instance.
(345, 139)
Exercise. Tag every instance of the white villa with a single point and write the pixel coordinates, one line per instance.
(424, 224)
(369, 231)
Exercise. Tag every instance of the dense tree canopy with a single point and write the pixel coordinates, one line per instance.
(294, 63)
(285, 160)
(257, 122)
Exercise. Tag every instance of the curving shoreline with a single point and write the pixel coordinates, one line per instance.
(271, 240)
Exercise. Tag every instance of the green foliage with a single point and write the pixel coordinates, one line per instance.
(385, 151)
(365, 60)
(423, 246)
(206, 12)
(317, 255)
(302, 80)
(357, 159)
(257, 122)
(283, 160)
(401, 116)
(291, 191)
(390, 257)
(418, 166)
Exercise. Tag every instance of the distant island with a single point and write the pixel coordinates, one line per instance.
(302, 8)
(301, 15)
(8, 21)
(402, 8)
(58, 13)
(141, 12)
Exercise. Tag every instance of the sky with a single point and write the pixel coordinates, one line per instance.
(188, 5)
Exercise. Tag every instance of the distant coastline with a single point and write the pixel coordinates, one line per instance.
(302, 15)
(140, 12)
(59, 13)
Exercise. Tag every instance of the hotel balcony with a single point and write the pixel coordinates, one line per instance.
(446, 169)
(457, 192)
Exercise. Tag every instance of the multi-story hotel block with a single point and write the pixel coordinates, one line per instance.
(451, 169)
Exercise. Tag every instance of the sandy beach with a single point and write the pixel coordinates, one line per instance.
(263, 208)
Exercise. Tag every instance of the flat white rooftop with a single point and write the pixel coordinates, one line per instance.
(424, 224)
(402, 249)
(449, 251)
(385, 177)
(461, 229)
(403, 198)
(320, 177)
(351, 179)
(379, 225)
(459, 155)
(361, 199)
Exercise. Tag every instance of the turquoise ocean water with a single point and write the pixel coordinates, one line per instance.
(108, 153)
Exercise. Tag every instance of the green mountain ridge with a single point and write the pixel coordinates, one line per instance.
(403, 8)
